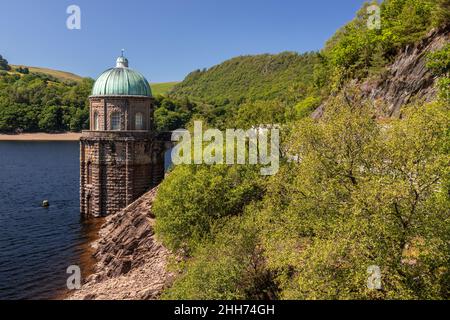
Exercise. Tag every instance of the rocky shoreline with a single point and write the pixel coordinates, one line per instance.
(131, 262)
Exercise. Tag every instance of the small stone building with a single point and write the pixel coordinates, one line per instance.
(120, 155)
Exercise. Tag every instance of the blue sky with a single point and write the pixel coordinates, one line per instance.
(167, 39)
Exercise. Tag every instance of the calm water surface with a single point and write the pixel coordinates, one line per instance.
(37, 244)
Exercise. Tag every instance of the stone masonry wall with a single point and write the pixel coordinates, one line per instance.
(115, 169)
(128, 107)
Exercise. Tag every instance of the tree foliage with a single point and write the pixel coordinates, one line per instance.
(194, 198)
(221, 91)
(358, 51)
(38, 102)
(4, 64)
(363, 194)
(171, 114)
(231, 266)
(439, 64)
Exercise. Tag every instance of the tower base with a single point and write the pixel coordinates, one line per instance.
(116, 168)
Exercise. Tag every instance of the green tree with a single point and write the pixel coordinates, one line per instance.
(305, 107)
(378, 61)
(172, 114)
(4, 64)
(79, 120)
(50, 118)
(25, 100)
(362, 194)
(230, 266)
(194, 198)
(260, 113)
(441, 12)
(439, 64)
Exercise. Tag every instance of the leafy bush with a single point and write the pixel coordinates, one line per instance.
(439, 64)
(362, 194)
(23, 70)
(231, 266)
(193, 199)
(439, 61)
(305, 107)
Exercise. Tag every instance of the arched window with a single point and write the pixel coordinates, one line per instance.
(115, 121)
(139, 121)
(96, 126)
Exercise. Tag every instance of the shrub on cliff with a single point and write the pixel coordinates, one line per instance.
(356, 51)
(439, 64)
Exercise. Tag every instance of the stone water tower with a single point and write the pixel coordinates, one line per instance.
(120, 156)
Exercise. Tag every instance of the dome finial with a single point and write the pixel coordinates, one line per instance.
(122, 62)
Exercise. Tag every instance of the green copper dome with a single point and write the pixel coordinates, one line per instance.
(121, 81)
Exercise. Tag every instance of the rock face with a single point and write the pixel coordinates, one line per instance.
(406, 79)
(131, 262)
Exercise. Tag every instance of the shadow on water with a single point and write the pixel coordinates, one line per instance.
(85, 251)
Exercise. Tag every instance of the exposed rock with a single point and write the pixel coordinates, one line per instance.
(131, 262)
(406, 79)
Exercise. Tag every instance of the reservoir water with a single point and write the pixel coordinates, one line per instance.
(37, 244)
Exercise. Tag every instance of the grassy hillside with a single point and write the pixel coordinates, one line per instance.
(60, 75)
(284, 76)
(162, 88)
(250, 90)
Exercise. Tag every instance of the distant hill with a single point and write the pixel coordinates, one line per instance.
(162, 88)
(60, 75)
(284, 76)
(157, 88)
